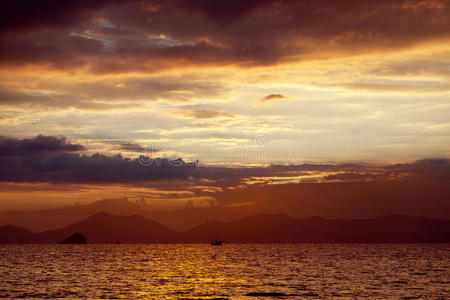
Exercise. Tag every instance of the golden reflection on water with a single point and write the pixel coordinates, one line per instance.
(230, 271)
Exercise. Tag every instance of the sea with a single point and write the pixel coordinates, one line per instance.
(231, 271)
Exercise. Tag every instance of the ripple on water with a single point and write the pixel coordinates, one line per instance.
(234, 271)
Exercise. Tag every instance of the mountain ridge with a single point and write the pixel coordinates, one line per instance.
(262, 228)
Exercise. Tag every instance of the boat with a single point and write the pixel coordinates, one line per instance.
(216, 243)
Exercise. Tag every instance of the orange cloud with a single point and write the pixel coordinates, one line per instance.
(100, 37)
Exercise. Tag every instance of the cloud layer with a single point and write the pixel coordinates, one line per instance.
(88, 86)
(158, 34)
(36, 146)
(50, 159)
(49, 169)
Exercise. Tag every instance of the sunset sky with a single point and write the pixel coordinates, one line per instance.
(341, 108)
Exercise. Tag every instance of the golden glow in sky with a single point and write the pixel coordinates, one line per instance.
(239, 84)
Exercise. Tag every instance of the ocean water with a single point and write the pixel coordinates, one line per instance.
(230, 271)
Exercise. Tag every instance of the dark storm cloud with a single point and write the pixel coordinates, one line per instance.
(48, 159)
(97, 168)
(10, 146)
(23, 14)
(112, 36)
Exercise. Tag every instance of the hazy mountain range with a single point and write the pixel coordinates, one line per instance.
(279, 228)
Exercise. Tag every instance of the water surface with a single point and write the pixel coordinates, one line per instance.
(229, 271)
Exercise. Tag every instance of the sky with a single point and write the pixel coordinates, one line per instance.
(240, 101)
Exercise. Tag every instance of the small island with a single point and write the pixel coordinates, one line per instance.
(76, 238)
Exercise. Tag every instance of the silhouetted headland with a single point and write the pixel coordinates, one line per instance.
(76, 238)
(280, 228)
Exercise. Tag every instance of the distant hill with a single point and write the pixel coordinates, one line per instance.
(284, 229)
(107, 228)
(11, 234)
(76, 238)
(99, 228)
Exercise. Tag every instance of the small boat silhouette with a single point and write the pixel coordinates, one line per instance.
(216, 243)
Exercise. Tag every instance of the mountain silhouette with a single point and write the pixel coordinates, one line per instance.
(284, 229)
(278, 228)
(76, 238)
(11, 234)
(99, 228)
(107, 228)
